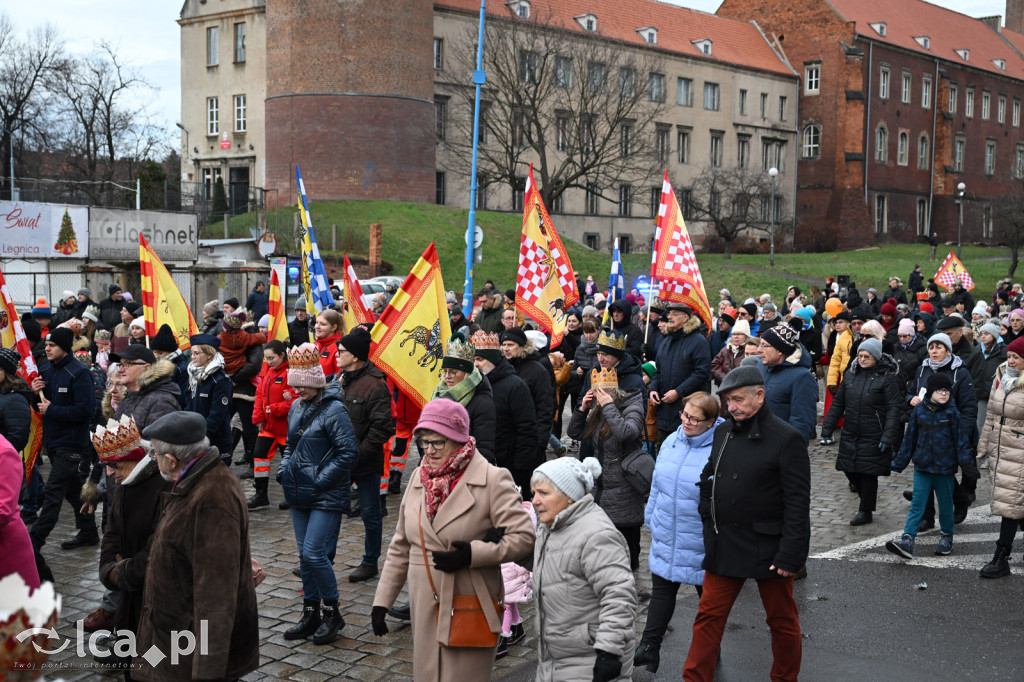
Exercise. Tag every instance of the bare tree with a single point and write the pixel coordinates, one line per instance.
(1008, 220)
(583, 109)
(731, 201)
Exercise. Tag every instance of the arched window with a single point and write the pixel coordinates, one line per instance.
(923, 152)
(881, 144)
(902, 147)
(810, 147)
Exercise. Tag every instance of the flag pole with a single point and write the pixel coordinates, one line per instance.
(479, 78)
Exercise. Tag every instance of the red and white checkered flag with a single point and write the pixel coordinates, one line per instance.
(951, 271)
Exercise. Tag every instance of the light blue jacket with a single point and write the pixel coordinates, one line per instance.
(677, 533)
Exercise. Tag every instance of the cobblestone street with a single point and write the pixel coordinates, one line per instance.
(358, 654)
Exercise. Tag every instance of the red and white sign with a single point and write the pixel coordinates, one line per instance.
(225, 143)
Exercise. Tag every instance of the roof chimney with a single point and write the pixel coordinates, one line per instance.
(995, 23)
(1015, 15)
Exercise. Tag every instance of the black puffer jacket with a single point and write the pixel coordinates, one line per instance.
(910, 358)
(869, 400)
(634, 335)
(368, 401)
(16, 417)
(541, 383)
(515, 429)
(158, 395)
(481, 418)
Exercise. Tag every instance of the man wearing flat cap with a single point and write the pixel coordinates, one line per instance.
(199, 577)
(755, 506)
(684, 366)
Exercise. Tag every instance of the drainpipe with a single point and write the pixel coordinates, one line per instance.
(931, 167)
(867, 119)
(796, 165)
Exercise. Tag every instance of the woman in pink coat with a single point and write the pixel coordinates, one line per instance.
(17, 556)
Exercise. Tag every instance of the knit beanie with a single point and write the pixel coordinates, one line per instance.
(782, 338)
(943, 339)
(211, 308)
(164, 340)
(91, 313)
(1018, 312)
(304, 368)
(445, 417)
(571, 477)
(741, 327)
(515, 335)
(233, 302)
(264, 321)
(357, 343)
(937, 380)
(62, 337)
(889, 308)
(9, 360)
(806, 314)
(980, 309)
(41, 308)
(236, 319)
(872, 346)
(85, 291)
(66, 294)
(751, 309)
(300, 303)
(138, 322)
(113, 289)
(134, 309)
(993, 329)
(1016, 346)
(33, 332)
(926, 307)
(906, 326)
(589, 311)
(649, 369)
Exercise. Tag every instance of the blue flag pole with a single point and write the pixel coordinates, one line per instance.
(479, 78)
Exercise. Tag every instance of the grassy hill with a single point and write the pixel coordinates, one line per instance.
(409, 228)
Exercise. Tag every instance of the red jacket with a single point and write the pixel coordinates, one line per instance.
(329, 353)
(271, 406)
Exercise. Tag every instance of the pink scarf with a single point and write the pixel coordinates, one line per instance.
(438, 483)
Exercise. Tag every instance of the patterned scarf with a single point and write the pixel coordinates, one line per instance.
(197, 374)
(461, 392)
(1011, 379)
(438, 483)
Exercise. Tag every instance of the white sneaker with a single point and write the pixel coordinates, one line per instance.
(983, 462)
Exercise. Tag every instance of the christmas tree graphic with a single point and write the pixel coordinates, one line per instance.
(67, 240)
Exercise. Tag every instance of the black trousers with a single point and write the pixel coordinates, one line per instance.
(63, 483)
(867, 488)
(662, 607)
(249, 431)
(1008, 531)
(632, 535)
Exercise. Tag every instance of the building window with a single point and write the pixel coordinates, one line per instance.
(563, 72)
(592, 241)
(902, 148)
(1016, 112)
(743, 102)
(881, 214)
(656, 87)
(655, 201)
(905, 88)
(922, 217)
(557, 204)
(685, 199)
(627, 82)
(683, 145)
(812, 79)
(969, 103)
(716, 150)
(212, 46)
(625, 201)
(782, 108)
(881, 145)
(439, 188)
(519, 193)
(711, 94)
(990, 157)
(959, 146)
(986, 104)
(922, 153)
(764, 105)
(481, 195)
(212, 116)
(522, 9)
(240, 42)
(743, 151)
(926, 92)
(240, 113)
(597, 76)
(1001, 110)
(951, 107)
(810, 148)
(1018, 162)
(625, 140)
(625, 243)
(438, 53)
(593, 199)
(482, 134)
(773, 155)
(883, 82)
(714, 203)
(986, 222)
(684, 92)
(441, 116)
(210, 178)
(562, 131)
(587, 133)
(661, 144)
(529, 63)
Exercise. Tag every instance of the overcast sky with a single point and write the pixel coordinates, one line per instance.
(147, 36)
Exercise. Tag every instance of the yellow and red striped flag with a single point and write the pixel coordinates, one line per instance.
(673, 263)
(545, 285)
(278, 322)
(355, 310)
(417, 317)
(12, 336)
(162, 303)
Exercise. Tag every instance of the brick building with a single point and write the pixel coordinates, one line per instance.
(901, 101)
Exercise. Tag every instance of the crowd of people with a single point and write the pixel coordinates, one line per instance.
(697, 431)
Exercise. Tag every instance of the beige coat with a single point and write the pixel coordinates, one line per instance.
(485, 497)
(1002, 439)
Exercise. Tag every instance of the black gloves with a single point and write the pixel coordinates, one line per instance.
(833, 389)
(457, 559)
(377, 613)
(607, 667)
(495, 534)
(884, 448)
(971, 474)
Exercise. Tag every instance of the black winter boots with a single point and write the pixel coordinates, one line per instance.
(310, 622)
(329, 624)
(260, 499)
(999, 567)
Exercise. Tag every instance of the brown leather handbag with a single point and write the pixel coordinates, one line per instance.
(469, 626)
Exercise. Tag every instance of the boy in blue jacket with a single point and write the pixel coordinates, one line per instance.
(936, 440)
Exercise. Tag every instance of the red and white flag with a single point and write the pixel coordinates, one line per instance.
(951, 271)
(355, 310)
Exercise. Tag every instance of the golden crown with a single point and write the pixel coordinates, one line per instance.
(484, 341)
(605, 379)
(305, 356)
(116, 439)
(459, 349)
(612, 339)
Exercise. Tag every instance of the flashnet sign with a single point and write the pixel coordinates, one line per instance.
(114, 234)
(30, 230)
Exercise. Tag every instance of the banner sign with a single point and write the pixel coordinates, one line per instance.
(35, 230)
(114, 234)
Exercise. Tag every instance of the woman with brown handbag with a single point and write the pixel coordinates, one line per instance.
(450, 552)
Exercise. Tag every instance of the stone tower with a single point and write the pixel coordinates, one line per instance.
(350, 99)
(1015, 15)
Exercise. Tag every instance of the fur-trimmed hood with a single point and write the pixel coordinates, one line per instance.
(161, 369)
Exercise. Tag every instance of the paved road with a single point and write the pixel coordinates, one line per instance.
(861, 610)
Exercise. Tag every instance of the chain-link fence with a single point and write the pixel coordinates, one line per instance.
(30, 279)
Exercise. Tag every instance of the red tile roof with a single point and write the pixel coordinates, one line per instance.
(1017, 39)
(947, 30)
(732, 42)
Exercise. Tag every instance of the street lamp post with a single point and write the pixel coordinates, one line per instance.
(960, 216)
(10, 136)
(772, 172)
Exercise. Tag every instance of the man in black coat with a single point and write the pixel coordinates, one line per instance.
(684, 366)
(755, 505)
(621, 313)
(165, 347)
(299, 328)
(522, 354)
(110, 308)
(258, 302)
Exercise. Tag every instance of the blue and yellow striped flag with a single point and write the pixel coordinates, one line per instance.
(314, 275)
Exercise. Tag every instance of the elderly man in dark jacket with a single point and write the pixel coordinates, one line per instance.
(368, 400)
(152, 391)
(199, 577)
(684, 366)
(755, 505)
(299, 328)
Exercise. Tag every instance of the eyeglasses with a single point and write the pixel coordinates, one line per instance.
(449, 372)
(133, 364)
(423, 443)
(690, 419)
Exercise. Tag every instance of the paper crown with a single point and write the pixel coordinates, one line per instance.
(611, 339)
(605, 379)
(460, 350)
(484, 341)
(102, 335)
(305, 356)
(117, 441)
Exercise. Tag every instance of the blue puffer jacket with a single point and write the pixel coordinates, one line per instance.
(314, 469)
(936, 440)
(677, 532)
(791, 391)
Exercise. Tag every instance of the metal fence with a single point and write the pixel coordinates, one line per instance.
(30, 279)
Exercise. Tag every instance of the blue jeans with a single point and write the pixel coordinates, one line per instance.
(33, 490)
(371, 513)
(316, 534)
(924, 484)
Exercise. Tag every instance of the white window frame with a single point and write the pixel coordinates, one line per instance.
(969, 103)
(684, 92)
(810, 147)
(986, 105)
(240, 117)
(883, 82)
(906, 83)
(1001, 110)
(238, 42)
(715, 92)
(923, 153)
(881, 214)
(951, 104)
(212, 45)
(990, 157)
(922, 217)
(438, 53)
(212, 116)
(812, 79)
(881, 144)
(926, 92)
(902, 148)
(959, 152)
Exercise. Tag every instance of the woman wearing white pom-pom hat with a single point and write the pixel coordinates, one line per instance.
(586, 599)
